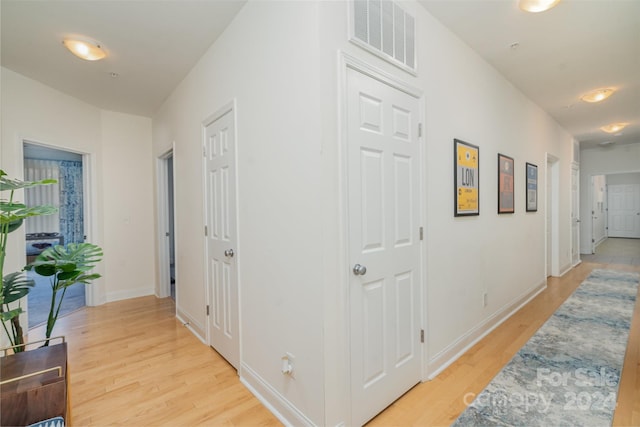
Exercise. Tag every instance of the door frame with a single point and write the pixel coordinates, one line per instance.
(163, 289)
(575, 213)
(346, 62)
(230, 107)
(94, 295)
(552, 214)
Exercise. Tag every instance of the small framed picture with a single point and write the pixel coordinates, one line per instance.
(505, 184)
(466, 167)
(532, 187)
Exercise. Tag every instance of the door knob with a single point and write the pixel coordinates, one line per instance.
(229, 253)
(359, 270)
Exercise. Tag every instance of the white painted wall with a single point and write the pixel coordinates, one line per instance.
(280, 62)
(610, 160)
(267, 61)
(623, 178)
(129, 210)
(121, 172)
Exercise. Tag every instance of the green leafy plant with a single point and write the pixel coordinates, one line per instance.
(66, 266)
(14, 286)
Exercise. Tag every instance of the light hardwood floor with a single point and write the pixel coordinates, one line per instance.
(132, 363)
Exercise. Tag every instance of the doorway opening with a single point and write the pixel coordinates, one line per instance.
(64, 227)
(552, 216)
(166, 226)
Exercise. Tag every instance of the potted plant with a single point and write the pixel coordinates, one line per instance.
(65, 266)
(15, 286)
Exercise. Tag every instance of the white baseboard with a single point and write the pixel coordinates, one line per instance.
(279, 406)
(129, 293)
(194, 326)
(450, 354)
(565, 269)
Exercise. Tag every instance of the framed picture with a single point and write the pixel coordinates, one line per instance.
(466, 166)
(505, 184)
(532, 187)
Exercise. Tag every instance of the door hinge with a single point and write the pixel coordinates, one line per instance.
(422, 335)
(204, 150)
(207, 309)
(421, 233)
(206, 231)
(419, 129)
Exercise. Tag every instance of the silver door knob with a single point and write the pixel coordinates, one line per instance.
(359, 270)
(229, 253)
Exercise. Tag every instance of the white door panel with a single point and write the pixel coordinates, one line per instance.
(624, 210)
(575, 215)
(220, 204)
(384, 211)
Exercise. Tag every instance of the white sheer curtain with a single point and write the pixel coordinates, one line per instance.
(35, 170)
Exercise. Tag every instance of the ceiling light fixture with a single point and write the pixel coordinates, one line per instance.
(597, 95)
(536, 6)
(614, 127)
(87, 50)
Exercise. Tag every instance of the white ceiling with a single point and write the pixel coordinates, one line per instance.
(151, 45)
(578, 46)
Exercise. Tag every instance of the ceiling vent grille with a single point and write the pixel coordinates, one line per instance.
(385, 29)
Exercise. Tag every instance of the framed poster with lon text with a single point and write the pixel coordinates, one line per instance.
(466, 166)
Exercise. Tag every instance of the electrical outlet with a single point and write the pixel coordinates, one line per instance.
(288, 363)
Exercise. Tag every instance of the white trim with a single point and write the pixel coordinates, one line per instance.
(276, 403)
(95, 294)
(575, 166)
(163, 287)
(446, 357)
(129, 293)
(552, 173)
(188, 322)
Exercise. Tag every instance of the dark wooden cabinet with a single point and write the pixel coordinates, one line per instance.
(35, 386)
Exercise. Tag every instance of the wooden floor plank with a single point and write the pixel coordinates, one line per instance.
(133, 363)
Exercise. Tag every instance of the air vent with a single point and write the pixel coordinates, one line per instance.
(385, 29)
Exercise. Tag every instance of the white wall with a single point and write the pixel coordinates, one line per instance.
(267, 61)
(503, 255)
(623, 178)
(121, 173)
(610, 161)
(127, 191)
(280, 62)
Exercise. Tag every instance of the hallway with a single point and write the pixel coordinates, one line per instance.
(615, 250)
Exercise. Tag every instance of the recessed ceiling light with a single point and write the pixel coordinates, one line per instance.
(597, 95)
(87, 50)
(614, 127)
(536, 6)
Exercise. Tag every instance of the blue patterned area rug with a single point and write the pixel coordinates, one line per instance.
(567, 374)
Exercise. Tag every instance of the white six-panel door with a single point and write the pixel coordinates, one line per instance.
(221, 236)
(624, 210)
(384, 243)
